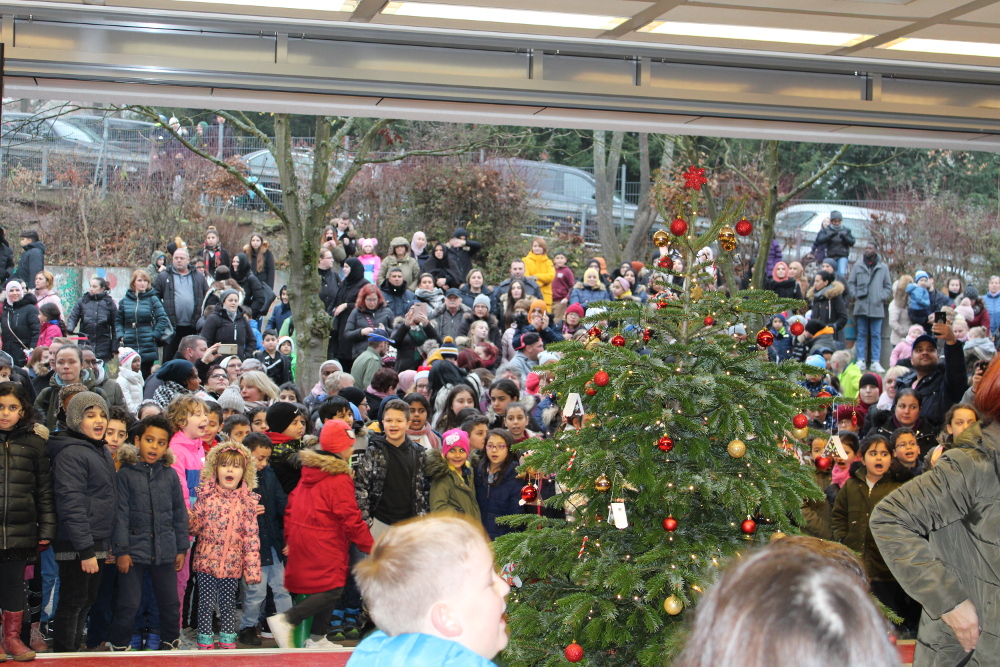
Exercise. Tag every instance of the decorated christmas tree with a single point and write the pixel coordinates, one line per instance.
(682, 454)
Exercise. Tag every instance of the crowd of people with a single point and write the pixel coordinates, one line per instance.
(166, 471)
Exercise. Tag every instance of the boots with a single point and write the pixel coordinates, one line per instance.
(38, 643)
(12, 643)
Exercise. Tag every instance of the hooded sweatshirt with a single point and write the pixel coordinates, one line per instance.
(189, 455)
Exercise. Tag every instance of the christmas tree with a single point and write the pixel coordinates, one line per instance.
(685, 455)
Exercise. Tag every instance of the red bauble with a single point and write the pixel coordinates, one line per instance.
(678, 227)
(618, 341)
(647, 334)
(590, 389)
(670, 524)
(601, 378)
(797, 328)
(529, 492)
(744, 227)
(854, 419)
(664, 263)
(748, 527)
(594, 331)
(800, 421)
(823, 463)
(765, 338)
(709, 320)
(574, 653)
(666, 443)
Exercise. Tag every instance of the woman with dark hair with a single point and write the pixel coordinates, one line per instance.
(29, 514)
(370, 315)
(96, 313)
(381, 389)
(255, 296)
(261, 260)
(459, 397)
(437, 266)
(443, 376)
(228, 324)
(905, 412)
(419, 429)
(344, 303)
(508, 300)
(939, 535)
(142, 320)
(410, 335)
(498, 488)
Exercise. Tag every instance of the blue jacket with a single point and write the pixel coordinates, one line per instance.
(83, 474)
(586, 295)
(152, 524)
(280, 313)
(501, 500)
(413, 650)
(270, 523)
(920, 298)
(993, 308)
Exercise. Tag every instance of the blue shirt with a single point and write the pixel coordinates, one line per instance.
(413, 650)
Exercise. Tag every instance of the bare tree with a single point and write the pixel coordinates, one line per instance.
(647, 213)
(606, 161)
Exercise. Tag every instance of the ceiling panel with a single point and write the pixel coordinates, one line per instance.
(739, 16)
(915, 9)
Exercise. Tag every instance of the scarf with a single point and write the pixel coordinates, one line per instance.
(884, 402)
(838, 476)
(425, 432)
(382, 395)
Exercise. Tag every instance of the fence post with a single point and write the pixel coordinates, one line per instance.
(45, 165)
(583, 225)
(622, 226)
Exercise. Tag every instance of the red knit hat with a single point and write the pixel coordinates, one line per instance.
(336, 436)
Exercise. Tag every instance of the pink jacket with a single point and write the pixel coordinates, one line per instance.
(47, 332)
(903, 350)
(225, 522)
(189, 458)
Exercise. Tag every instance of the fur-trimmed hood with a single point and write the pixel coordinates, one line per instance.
(326, 462)
(834, 289)
(129, 455)
(208, 473)
(438, 466)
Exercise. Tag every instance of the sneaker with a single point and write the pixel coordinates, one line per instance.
(337, 636)
(862, 366)
(227, 640)
(265, 631)
(282, 631)
(248, 636)
(206, 642)
(322, 643)
(152, 642)
(877, 368)
(170, 646)
(136, 643)
(127, 647)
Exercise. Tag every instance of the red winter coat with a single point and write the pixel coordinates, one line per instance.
(321, 520)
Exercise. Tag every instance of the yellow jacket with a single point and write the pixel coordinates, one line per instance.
(541, 268)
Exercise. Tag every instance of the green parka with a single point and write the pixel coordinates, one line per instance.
(450, 490)
(408, 265)
(940, 535)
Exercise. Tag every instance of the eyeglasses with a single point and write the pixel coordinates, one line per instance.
(496, 448)
(218, 376)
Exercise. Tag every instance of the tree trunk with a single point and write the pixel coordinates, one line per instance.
(771, 206)
(605, 170)
(646, 214)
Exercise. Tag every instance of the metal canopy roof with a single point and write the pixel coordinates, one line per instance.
(923, 73)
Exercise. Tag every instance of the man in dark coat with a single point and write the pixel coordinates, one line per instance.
(182, 291)
(838, 241)
(32, 260)
(939, 385)
(397, 296)
(459, 253)
(7, 260)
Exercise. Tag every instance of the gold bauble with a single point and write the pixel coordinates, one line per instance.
(800, 433)
(736, 449)
(696, 293)
(776, 535)
(602, 484)
(727, 238)
(592, 343)
(673, 605)
(661, 239)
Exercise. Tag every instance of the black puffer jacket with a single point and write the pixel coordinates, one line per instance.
(27, 507)
(219, 327)
(329, 283)
(255, 296)
(96, 315)
(6, 261)
(83, 474)
(19, 327)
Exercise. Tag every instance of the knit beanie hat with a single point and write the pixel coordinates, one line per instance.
(280, 416)
(816, 360)
(592, 272)
(352, 394)
(539, 304)
(79, 404)
(175, 370)
(971, 292)
(870, 378)
(225, 295)
(460, 232)
(448, 349)
(286, 339)
(336, 436)
(230, 399)
(125, 357)
(814, 326)
(920, 274)
(481, 299)
(624, 284)
(575, 308)
(456, 437)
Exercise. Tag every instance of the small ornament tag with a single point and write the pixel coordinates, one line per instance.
(618, 518)
(838, 447)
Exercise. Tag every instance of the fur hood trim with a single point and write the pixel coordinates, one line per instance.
(328, 463)
(129, 455)
(835, 289)
(208, 473)
(437, 466)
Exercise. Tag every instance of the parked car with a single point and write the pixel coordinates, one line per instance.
(137, 136)
(796, 226)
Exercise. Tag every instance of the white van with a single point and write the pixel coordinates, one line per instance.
(796, 226)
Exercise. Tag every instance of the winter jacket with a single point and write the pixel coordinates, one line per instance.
(562, 284)
(451, 490)
(278, 367)
(189, 460)
(541, 268)
(270, 524)
(132, 385)
(828, 305)
(938, 535)
(369, 477)
(141, 320)
(225, 522)
(942, 388)
(19, 327)
(838, 240)
(83, 475)
(256, 297)
(221, 327)
(992, 302)
(152, 518)
(584, 295)
(460, 261)
(849, 380)
(501, 499)
(215, 256)
(284, 461)
(871, 288)
(899, 322)
(47, 332)
(413, 650)
(397, 299)
(817, 512)
(265, 274)
(407, 342)
(851, 512)
(408, 265)
(47, 400)
(329, 283)
(920, 298)
(322, 520)
(45, 296)
(7, 263)
(27, 504)
(153, 270)
(164, 286)
(360, 319)
(786, 289)
(347, 293)
(96, 315)
(31, 263)
(281, 312)
(451, 325)
(773, 256)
